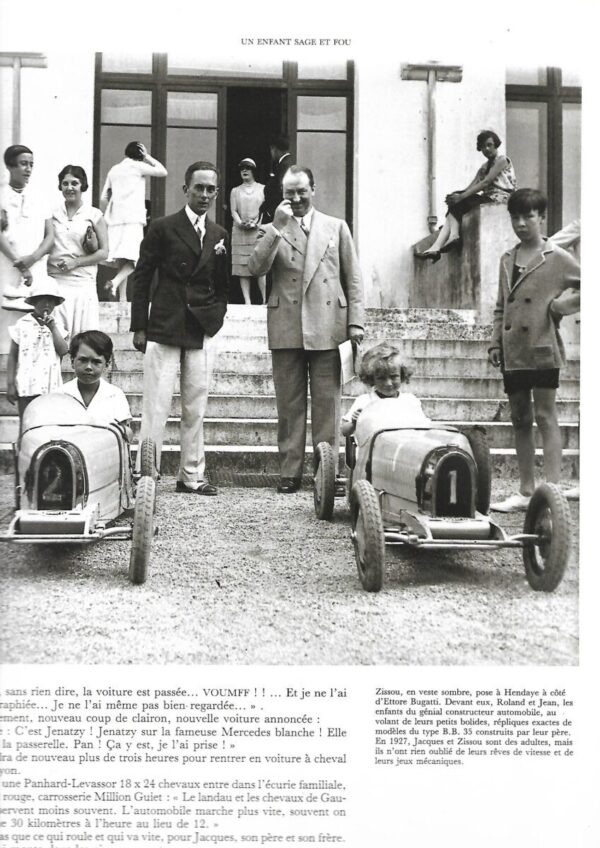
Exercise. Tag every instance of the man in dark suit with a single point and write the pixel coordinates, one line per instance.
(282, 159)
(178, 328)
(315, 304)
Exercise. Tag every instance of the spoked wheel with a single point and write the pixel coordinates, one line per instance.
(481, 453)
(143, 529)
(324, 482)
(549, 517)
(367, 535)
(148, 459)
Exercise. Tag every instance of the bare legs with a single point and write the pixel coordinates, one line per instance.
(119, 281)
(262, 287)
(245, 284)
(449, 232)
(523, 411)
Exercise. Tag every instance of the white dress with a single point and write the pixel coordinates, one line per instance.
(38, 366)
(126, 211)
(25, 215)
(80, 309)
(246, 201)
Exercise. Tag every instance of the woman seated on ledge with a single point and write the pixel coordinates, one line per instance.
(494, 182)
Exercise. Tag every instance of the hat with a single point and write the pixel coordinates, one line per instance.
(45, 288)
(248, 163)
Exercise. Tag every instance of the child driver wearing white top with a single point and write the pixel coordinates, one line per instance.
(383, 371)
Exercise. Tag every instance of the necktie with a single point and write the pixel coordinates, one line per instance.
(200, 232)
(304, 228)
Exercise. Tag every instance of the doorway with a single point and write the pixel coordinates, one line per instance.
(254, 116)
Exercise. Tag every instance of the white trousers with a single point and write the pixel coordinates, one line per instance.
(160, 376)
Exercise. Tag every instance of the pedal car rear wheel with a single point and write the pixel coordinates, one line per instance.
(367, 535)
(481, 453)
(549, 517)
(143, 529)
(324, 482)
(148, 459)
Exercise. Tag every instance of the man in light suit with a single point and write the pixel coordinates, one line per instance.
(316, 303)
(177, 329)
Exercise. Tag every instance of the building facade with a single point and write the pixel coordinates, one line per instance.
(363, 128)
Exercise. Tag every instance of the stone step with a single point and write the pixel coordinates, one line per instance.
(263, 431)
(424, 387)
(438, 409)
(413, 349)
(264, 460)
(259, 363)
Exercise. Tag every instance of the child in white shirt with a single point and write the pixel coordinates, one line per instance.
(38, 342)
(382, 369)
(91, 353)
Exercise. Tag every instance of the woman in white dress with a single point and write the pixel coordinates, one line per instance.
(73, 268)
(122, 202)
(246, 200)
(26, 236)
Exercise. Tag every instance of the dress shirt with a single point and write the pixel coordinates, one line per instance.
(198, 222)
(304, 223)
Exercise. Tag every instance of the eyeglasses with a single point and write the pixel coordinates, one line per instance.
(209, 190)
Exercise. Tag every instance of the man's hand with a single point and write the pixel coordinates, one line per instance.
(355, 334)
(453, 198)
(283, 215)
(139, 340)
(495, 357)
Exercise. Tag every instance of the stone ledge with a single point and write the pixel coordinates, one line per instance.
(467, 279)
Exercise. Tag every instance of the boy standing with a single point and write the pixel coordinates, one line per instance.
(539, 283)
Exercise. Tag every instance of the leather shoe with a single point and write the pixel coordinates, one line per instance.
(434, 255)
(288, 485)
(455, 244)
(204, 488)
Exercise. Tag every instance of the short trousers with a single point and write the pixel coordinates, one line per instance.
(530, 378)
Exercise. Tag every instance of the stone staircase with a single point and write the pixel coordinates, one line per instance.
(446, 350)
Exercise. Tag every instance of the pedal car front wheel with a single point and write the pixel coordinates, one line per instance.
(148, 459)
(367, 535)
(324, 482)
(143, 530)
(481, 454)
(549, 517)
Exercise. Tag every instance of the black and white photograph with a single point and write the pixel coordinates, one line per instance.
(290, 409)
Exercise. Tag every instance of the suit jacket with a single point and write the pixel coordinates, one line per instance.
(273, 190)
(317, 289)
(524, 327)
(190, 296)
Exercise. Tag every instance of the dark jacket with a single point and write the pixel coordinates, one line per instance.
(273, 190)
(190, 294)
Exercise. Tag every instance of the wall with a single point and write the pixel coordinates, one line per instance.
(391, 162)
(390, 148)
(57, 116)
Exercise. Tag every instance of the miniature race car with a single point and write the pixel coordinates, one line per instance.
(73, 478)
(425, 486)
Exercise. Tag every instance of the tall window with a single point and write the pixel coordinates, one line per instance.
(184, 110)
(543, 129)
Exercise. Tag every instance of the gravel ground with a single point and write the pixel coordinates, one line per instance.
(252, 577)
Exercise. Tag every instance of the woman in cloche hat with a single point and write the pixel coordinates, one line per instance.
(246, 200)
